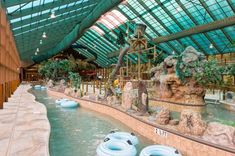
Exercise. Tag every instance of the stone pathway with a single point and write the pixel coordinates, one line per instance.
(24, 127)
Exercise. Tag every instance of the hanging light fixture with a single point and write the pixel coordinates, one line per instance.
(40, 41)
(211, 46)
(35, 53)
(53, 15)
(37, 50)
(178, 9)
(44, 35)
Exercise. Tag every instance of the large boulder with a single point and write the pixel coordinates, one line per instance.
(128, 96)
(163, 117)
(191, 123)
(220, 134)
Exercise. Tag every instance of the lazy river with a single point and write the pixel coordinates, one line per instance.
(79, 131)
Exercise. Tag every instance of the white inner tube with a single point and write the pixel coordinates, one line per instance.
(116, 148)
(123, 136)
(159, 150)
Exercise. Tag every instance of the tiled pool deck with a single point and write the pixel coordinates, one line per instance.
(24, 127)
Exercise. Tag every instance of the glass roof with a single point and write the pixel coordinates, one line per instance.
(163, 18)
(30, 19)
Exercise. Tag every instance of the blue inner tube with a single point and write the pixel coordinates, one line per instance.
(37, 87)
(116, 148)
(69, 104)
(59, 101)
(159, 150)
(43, 88)
(123, 136)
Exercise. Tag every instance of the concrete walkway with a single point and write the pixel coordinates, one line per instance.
(24, 127)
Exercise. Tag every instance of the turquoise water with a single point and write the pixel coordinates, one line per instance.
(77, 132)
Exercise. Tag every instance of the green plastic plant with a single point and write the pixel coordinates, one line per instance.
(75, 79)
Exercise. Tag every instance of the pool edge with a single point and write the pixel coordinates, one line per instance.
(182, 142)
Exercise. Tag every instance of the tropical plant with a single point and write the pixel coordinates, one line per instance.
(75, 79)
(55, 69)
(79, 65)
(203, 71)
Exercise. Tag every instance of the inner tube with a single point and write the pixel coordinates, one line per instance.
(159, 150)
(69, 104)
(123, 136)
(37, 87)
(59, 101)
(116, 148)
(43, 88)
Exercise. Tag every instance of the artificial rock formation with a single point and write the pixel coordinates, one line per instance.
(50, 84)
(163, 117)
(128, 96)
(113, 100)
(61, 86)
(220, 134)
(191, 123)
(168, 85)
(142, 104)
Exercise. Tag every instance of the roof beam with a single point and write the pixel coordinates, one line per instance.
(45, 24)
(214, 18)
(47, 16)
(9, 3)
(39, 8)
(219, 24)
(80, 29)
(178, 23)
(56, 29)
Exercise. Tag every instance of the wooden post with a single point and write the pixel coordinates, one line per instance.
(139, 65)
(87, 88)
(82, 88)
(100, 86)
(94, 86)
(127, 65)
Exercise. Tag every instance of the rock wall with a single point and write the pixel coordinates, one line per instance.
(168, 85)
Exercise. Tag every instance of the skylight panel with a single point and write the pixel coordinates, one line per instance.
(98, 30)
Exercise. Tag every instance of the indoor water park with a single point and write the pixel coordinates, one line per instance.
(117, 78)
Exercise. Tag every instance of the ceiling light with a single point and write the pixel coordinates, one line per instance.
(53, 15)
(179, 9)
(211, 46)
(40, 41)
(36, 53)
(44, 35)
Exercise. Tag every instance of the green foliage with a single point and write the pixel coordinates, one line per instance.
(79, 65)
(230, 69)
(75, 79)
(160, 58)
(210, 73)
(204, 72)
(55, 69)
